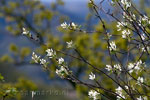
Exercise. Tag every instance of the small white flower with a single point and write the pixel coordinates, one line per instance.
(143, 36)
(93, 94)
(119, 91)
(62, 72)
(70, 44)
(118, 67)
(126, 87)
(108, 68)
(144, 20)
(91, 1)
(109, 35)
(140, 98)
(64, 25)
(112, 46)
(138, 65)
(92, 76)
(112, 2)
(140, 80)
(73, 25)
(51, 53)
(35, 57)
(60, 61)
(130, 67)
(143, 48)
(125, 33)
(145, 98)
(25, 32)
(120, 25)
(42, 61)
(126, 4)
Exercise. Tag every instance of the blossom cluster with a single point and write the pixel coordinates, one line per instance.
(144, 20)
(137, 67)
(93, 94)
(125, 32)
(142, 98)
(119, 91)
(127, 69)
(51, 53)
(72, 25)
(126, 4)
(112, 46)
(63, 71)
(37, 59)
(70, 44)
(140, 80)
(114, 67)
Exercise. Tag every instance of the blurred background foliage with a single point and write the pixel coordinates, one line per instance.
(44, 22)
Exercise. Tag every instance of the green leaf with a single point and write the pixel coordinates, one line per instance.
(25, 52)
(1, 78)
(13, 48)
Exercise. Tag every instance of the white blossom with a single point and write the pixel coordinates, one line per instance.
(43, 61)
(145, 98)
(138, 66)
(112, 2)
(92, 76)
(132, 16)
(143, 36)
(93, 94)
(70, 44)
(109, 35)
(60, 61)
(73, 25)
(140, 80)
(144, 20)
(125, 33)
(118, 67)
(119, 91)
(108, 68)
(25, 32)
(126, 87)
(51, 53)
(91, 1)
(64, 25)
(126, 4)
(148, 49)
(140, 98)
(120, 25)
(130, 67)
(35, 57)
(62, 72)
(112, 46)
(143, 48)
